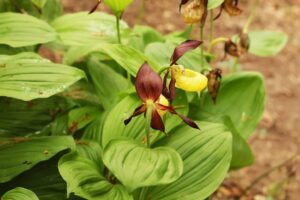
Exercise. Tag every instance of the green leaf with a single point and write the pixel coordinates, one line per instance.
(161, 53)
(241, 97)
(18, 30)
(84, 178)
(214, 3)
(122, 54)
(39, 3)
(79, 29)
(141, 36)
(118, 6)
(138, 166)
(114, 127)
(43, 179)
(241, 152)
(27, 152)
(108, 83)
(30, 78)
(94, 130)
(267, 43)
(206, 158)
(19, 118)
(81, 117)
(52, 10)
(18, 194)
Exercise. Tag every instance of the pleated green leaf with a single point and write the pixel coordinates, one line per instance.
(79, 29)
(20, 154)
(267, 43)
(18, 194)
(241, 97)
(128, 58)
(214, 3)
(206, 158)
(118, 6)
(28, 78)
(18, 30)
(137, 166)
(85, 179)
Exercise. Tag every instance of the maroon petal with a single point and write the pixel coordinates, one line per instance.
(148, 84)
(172, 89)
(219, 14)
(182, 3)
(181, 49)
(95, 7)
(139, 110)
(204, 16)
(165, 91)
(188, 121)
(156, 121)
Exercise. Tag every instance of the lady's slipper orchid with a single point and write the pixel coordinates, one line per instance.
(149, 87)
(214, 82)
(231, 7)
(236, 50)
(188, 80)
(195, 12)
(185, 79)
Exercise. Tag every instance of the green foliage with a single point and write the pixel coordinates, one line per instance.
(118, 6)
(26, 77)
(19, 30)
(267, 43)
(19, 193)
(156, 166)
(214, 3)
(28, 152)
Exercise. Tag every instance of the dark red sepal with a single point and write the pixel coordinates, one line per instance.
(95, 7)
(156, 121)
(139, 110)
(184, 47)
(148, 83)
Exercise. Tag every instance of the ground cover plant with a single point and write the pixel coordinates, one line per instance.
(76, 130)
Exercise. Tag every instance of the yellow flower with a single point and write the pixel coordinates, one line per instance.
(188, 80)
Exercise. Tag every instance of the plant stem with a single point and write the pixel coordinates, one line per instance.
(234, 67)
(148, 123)
(255, 4)
(118, 30)
(215, 42)
(266, 173)
(142, 12)
(211, 25)
(120, 42)
(202, 49)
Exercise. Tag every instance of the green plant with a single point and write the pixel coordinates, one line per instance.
(62, 131)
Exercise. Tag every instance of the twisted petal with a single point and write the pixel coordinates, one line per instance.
(188, 121)
(148, 84)
(139, 110)
(95, 7)
(156, 121)
(184, 47)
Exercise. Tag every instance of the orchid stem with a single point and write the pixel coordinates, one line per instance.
(142, 12)
(255, 4)
(211, 27)
(215, 42)
(202, 49)
(234, 67)
(148, 123)
(120, 42)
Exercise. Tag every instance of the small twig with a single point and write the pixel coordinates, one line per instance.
(269, 171)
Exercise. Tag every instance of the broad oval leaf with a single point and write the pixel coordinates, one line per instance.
(267, 43)
(18, 194)
(214, 3)
(137, 166)
(241, 97)
(118, 6)
(206, 158)
(85, 179)
(18, 30)
(80, 29)
(30, 78)
(122, 54)
(27, 152)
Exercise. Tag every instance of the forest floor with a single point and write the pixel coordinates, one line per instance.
(277, 137)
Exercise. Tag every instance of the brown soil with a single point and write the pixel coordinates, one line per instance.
(277, 137)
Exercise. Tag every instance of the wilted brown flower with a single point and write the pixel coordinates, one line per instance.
(231, 7)
(214, 82)
(195, 12)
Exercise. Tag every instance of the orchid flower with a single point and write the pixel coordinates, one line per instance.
(194, 12)
(149, 87)
(231, 7)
